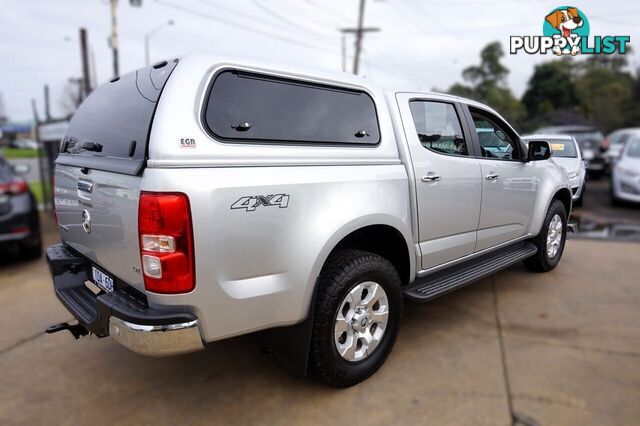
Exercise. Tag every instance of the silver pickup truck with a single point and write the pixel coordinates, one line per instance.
(206, 198)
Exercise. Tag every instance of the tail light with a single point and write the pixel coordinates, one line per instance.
(15, 187)
(605, 144)
(166, 242)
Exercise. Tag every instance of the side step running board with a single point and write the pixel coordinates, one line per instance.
(442, 282)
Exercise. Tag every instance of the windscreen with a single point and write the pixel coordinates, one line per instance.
(583, 136)
(634, 149)
(563, 148)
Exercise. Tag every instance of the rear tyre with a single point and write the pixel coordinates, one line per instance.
(356, 317)
(615, 201)
(595, 174)
(551, 239)
(31, 247)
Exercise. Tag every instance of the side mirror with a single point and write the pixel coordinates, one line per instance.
(538, 151)
(21, 169)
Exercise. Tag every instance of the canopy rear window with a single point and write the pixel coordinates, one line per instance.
(110, 130)
(248, 107)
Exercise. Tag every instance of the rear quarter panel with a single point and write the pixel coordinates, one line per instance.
(257, 269)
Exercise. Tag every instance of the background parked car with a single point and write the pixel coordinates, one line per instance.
(19, 223)
(566, 153)
(617, 139)
(593, 145)
(625, 178)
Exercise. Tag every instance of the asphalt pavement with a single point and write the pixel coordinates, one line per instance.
(560, 348)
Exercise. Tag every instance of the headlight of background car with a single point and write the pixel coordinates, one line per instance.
(573, 174)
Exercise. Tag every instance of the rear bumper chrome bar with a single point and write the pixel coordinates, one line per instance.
(157, 340)
(123, 314)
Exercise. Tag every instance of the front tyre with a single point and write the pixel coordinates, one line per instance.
(356, 317)
(551, 240)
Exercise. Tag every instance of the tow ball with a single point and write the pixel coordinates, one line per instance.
(75, 329)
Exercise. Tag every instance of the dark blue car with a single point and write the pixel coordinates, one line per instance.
(19, 223)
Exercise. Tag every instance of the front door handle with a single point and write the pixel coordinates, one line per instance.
(430, 178)
(492, 176)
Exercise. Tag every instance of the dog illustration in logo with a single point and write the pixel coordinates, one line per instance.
(565, 21)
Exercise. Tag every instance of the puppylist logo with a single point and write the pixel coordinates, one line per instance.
(566, 32)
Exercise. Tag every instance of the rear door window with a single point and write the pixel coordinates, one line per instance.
(256, 108)
(110, 130)
(438, 127)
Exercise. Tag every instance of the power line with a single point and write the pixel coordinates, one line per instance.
(236, 25)
(327, 12)
(266, 22)
(287, 21)
(392, 69)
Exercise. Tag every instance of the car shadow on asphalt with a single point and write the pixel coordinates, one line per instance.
(231, 362)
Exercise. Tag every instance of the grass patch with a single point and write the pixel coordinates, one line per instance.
(19, 153)
(36, 188)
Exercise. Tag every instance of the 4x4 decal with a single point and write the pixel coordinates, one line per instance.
(250, 203)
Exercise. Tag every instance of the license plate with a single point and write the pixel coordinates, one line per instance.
(4, 198)
(102, 280)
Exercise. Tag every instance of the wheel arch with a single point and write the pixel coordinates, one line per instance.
(291, 344)
(563, 194)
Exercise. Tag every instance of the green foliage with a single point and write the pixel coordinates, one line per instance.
(19, 153)
(596, 90)
(551, 88)
(487, 84)
(606, 96)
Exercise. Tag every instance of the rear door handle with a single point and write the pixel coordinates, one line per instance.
(430, 178)
(492, 176)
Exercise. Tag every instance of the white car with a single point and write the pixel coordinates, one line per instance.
(566, 153)
(617, 139)
(625, 179)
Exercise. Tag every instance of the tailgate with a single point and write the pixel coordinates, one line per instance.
(98, 171)
(98, 216)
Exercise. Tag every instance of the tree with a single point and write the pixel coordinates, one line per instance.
(71, 96)
(607, 96)
(551, 96)
(487, 83)
(490, 71)
(3, 111)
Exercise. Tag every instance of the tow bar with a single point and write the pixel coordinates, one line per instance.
(76, 329)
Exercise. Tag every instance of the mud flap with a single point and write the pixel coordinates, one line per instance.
(291, 345)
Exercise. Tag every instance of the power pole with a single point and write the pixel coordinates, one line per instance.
(356, 59)
(359, 31)
(86, 78)
(344, 52)
(47, 104)
(114, 37)
(94, 76)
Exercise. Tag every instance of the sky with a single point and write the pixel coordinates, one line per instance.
(422, 44)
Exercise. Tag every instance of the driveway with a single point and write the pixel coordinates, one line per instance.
(555, 348)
